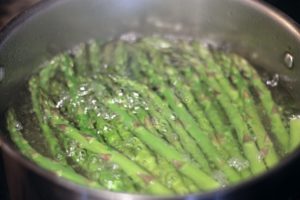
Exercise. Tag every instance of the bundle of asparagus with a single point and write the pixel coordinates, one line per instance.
(153, 116)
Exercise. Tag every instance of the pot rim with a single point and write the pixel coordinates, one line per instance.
(8, 148)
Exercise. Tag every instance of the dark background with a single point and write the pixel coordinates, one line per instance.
(290, 7)
(10, 8)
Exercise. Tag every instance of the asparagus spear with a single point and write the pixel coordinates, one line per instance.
(167, 151)
(250, 115)
(186, 140)
(113, 138)
(138, 174)
(294, 133)
(187, 97)
(263, 140)
(58, 168)
(110, 178)
(90, 169)
(154, 76)
(200, 92)
(248, 145)
(141, 151)
(164, 112)
(181, 90)
(277, 126)
(200, 135)
(50, 139)
(169, 176)
(72, 83)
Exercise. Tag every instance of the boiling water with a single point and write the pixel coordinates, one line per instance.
(137, 104)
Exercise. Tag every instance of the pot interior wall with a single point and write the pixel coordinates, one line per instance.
(243, 26)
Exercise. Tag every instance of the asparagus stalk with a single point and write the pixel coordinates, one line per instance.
(185, 139)
(95, 74)
(245, 139)
(139, 151)
(104, 174)
(263, 140)
(224, 137)
(138, 174)
(278, 129)
(164, 112)
(200, 135)
(169, 176)
(294, 133)
(113, 138)
(50, 139)
(93, 49)
(187, 97)
(161, 147)
(180, 88)
(109, 178)
(58, 168)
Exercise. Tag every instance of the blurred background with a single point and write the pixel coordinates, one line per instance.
(290, 7)
(10, 8)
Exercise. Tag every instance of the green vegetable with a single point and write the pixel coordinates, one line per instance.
(294, 133)
(59, 169)
(156, 116)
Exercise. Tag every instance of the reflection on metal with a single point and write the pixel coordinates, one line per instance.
(289, 60)
(2, 74)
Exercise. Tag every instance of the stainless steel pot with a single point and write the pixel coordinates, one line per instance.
(262, 34)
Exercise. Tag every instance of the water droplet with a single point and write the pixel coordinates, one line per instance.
(274, 81)
(289, 60)
(2, 73)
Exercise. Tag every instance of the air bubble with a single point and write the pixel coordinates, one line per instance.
(294, 117)
(106, 128)
(238, 163)
(61, 102)
(289, 60)
(274, 81)
(173, 117)
(19, 126)
(221, 178)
